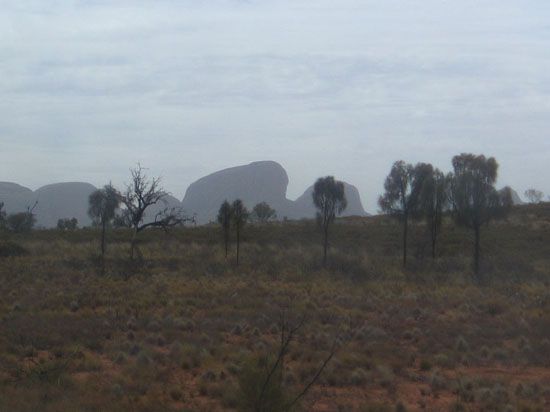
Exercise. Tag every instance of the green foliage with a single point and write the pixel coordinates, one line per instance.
(225, 215)
(239, 214)
(475, 200)
(239, 217)
(263, 213)
(425, 365)
(402, 190)
(433, 202)
(8, 249)
(103, 204)
(534, 195)
(330, 200)
(67, 224)
(400, 196)
(21, 222)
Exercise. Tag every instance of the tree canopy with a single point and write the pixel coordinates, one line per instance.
(225, 215)
(330, 200)
(474, 198)
(263, 213)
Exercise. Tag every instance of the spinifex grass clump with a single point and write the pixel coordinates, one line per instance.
(429, 336)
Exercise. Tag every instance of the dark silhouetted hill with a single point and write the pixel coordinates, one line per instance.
(264, 181)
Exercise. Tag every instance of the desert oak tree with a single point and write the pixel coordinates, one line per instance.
(102, 205)
(224, 219)
(330, 200)
(433, 202)
(263, 213)
(239, 217)
(534, 195)
(401, 196)
(474, 198)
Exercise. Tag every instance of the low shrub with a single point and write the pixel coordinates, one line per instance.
(12, 249)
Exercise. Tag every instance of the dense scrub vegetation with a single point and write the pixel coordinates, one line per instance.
(184, 328)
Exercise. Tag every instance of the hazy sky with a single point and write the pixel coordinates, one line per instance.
(342, 87)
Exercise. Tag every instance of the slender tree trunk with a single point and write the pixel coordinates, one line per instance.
(476, 250)
(325, 246)
(226, 240)
(405, 234)
(103, 225)
(433, 245)
(133, 244)
(238, 244)
(434, 238)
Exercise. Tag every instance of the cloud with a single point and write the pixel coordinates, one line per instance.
(91, 87)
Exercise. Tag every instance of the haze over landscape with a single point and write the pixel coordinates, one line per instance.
(274, 205)
(186, 88)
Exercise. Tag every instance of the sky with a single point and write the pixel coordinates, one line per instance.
(324, 87)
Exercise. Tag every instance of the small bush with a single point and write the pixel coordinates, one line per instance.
(400, 407)
(359, 377)
(386, 376)
(500, 354)
(376, 407)
(438, 381)
(425, 365)
(176, 394)
(12, 249)
(461, 345)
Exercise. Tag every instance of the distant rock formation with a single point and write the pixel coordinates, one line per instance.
(54, 202)
(264, 181)
(61, 201)
(16, 198)
(8, 189)
(256, 182)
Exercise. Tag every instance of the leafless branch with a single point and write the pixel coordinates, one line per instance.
(331, 354)
(283, 349)
(30, 209)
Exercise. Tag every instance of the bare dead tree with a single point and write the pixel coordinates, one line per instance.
(30, 209)
(142, 193)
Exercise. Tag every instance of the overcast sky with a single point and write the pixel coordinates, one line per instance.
(341, 87)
